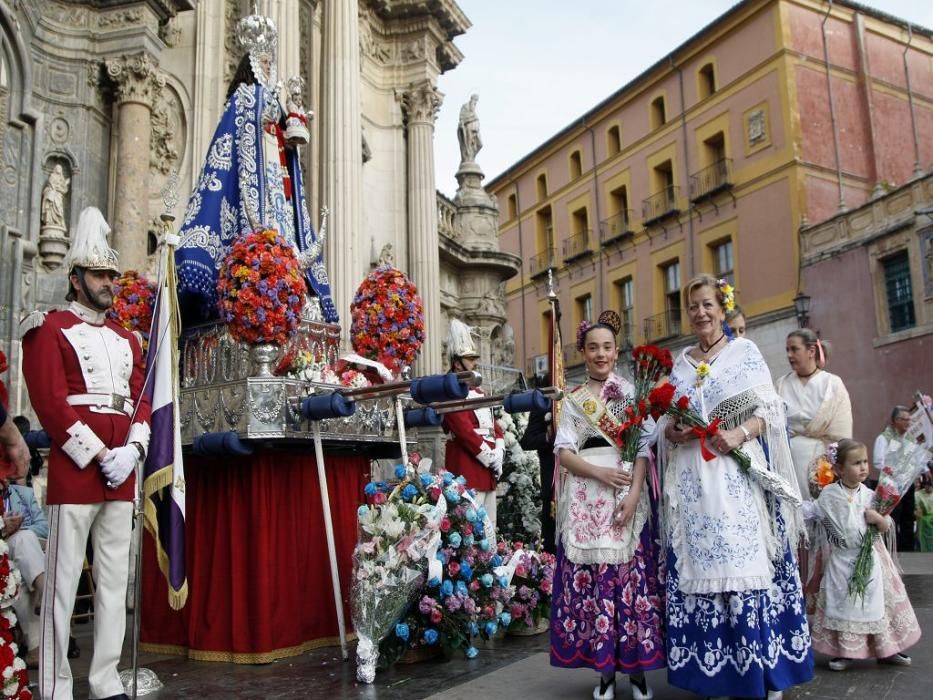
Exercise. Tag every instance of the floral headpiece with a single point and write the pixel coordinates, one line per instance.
(832, 452)
(609, 318)
(728, 294)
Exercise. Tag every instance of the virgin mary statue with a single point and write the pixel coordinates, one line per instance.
(251, 180)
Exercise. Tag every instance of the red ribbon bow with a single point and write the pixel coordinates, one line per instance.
(702, 434)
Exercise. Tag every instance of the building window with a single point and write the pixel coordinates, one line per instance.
(724, 262)
(541, 183)
(899, 292)
(707, 81)
(613, 140)
(672, 297)
(512, 206)
(584, 308)
(576, 165)
(625, 301)
(714, 148)
(658, 113)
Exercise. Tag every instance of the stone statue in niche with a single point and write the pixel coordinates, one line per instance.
(53, 233)
(504, 353)
(468, 131)
(52, 214)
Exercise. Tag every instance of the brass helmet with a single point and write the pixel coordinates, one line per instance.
(89, 248)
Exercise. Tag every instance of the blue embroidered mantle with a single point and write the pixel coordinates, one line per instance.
(238, 191)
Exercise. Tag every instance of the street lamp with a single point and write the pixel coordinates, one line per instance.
(802, 309)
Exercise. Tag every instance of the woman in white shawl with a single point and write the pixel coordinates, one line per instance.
(735, 617)
(818, 408)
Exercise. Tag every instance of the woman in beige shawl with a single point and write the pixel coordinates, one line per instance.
(818, 408)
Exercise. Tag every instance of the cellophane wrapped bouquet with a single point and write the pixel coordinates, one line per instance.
(532, 580)
(469, 594)
(905, 462)
(398, 536)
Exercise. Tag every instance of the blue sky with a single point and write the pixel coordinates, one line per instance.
(537, 65)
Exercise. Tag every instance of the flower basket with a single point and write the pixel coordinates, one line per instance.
(418, 654)
(260, 289)
(134, 298)
(519, 629)
(387, 319)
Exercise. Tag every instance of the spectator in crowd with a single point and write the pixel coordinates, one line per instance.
(539, 436)
(903, 514)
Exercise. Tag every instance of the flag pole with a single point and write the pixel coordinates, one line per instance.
(167, 245)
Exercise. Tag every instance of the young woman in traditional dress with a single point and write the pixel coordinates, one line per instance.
(607, 604)
(881, 624)
(735, 616)
(818, 408)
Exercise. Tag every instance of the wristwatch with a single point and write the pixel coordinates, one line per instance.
(142, 451)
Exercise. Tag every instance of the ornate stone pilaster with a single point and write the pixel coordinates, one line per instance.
(341, 149)
(137, 83)
(420, 105)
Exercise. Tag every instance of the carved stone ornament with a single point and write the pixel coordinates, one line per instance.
(170, 32)
(756, 127)
(135, 78)
(421, 103)
(168, 134)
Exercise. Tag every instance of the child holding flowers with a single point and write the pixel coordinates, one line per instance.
(879, 622)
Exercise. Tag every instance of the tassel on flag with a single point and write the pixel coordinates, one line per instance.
(164, 474)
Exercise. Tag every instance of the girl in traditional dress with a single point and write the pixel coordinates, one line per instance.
(818, 408)
(606, 606)
(881, 624)
(735, 616)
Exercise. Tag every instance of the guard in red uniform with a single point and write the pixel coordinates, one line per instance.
(476, 446)
(85, 377)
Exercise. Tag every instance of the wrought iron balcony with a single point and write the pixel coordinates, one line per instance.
(660, 205)
(616, 228)
(572, 356)
(662, 325)
(577, 246)
(711, 180)
(542, 262)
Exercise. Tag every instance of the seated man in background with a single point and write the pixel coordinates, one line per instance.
(25, 527)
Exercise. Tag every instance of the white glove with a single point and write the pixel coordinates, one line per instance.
(498, 458)
(118, 464)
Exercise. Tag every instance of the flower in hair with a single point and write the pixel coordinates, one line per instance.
(581, 333)
(832, 452)
(728, 294)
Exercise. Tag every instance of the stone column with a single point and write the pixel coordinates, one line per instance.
(137, 83)
(420, 104)
(341, 151)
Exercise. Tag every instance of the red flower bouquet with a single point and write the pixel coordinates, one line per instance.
(387, 319)
(12, 668)
(134, 297)
(261, 289)
(687, 416)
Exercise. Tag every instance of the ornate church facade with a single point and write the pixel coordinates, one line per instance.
(104, 102)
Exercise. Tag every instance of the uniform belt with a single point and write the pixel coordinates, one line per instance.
(117, 402)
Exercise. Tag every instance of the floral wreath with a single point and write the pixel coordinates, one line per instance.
(608, 318)
(832, 452)
(261, 291)
(728, 294)
(134, 298)
(387, 319)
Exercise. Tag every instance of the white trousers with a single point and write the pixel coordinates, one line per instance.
(26, 552)
(110, 527)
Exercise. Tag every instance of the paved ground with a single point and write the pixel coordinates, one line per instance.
(514, 667)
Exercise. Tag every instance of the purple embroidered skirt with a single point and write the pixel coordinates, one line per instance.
(610, 616)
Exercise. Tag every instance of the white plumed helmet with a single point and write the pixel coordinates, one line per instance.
(89, 247)
(460, 340)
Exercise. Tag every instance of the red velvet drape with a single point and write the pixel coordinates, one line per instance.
(259, 584)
